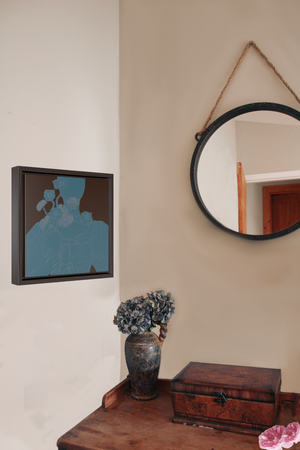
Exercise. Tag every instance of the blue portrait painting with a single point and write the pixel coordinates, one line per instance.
(64, 237)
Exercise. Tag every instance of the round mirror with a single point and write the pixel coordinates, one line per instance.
(245, 171)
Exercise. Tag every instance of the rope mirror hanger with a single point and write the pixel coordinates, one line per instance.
(250, 44)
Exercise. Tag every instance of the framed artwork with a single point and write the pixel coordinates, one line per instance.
(62, 225)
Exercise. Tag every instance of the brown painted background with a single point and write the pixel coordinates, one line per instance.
(94, 200)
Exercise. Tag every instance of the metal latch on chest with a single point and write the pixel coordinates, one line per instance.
(221, 398)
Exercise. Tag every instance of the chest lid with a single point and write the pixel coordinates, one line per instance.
(248, 383)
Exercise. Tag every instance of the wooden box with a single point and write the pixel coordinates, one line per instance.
(225, 397)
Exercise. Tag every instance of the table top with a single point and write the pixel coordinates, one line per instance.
(124, 423)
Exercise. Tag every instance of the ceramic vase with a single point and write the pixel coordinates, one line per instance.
(143, 354)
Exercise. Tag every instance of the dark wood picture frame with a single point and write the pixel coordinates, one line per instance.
(62, 225)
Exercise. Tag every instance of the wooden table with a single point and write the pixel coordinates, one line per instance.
(124, 423)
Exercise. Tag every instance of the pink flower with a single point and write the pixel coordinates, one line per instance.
(272, 438)
(291, 435)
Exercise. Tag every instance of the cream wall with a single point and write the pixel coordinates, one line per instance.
(59, 78)
(237, 300)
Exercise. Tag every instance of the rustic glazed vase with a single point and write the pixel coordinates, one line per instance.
(143, 353)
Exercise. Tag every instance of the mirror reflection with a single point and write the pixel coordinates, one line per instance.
(247, 172)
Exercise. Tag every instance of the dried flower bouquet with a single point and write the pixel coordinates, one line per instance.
(141, 314)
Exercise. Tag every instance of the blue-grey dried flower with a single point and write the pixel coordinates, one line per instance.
(133, 316)
(141, 314)
(162, 305)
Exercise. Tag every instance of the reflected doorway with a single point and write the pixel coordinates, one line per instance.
(281, 205)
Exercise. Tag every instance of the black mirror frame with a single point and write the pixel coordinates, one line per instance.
(201, 142)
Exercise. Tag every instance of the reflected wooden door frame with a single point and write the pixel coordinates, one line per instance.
(242, 198)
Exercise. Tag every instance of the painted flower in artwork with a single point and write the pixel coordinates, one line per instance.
(49, 195)
(291, 435)
(86, 218)
(41, 205)
(272, 438)
(72, 203)
(60, 183)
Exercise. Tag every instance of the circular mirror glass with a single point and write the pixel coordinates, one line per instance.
(245, 171)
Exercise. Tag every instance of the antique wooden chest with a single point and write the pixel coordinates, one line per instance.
(225, 397)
